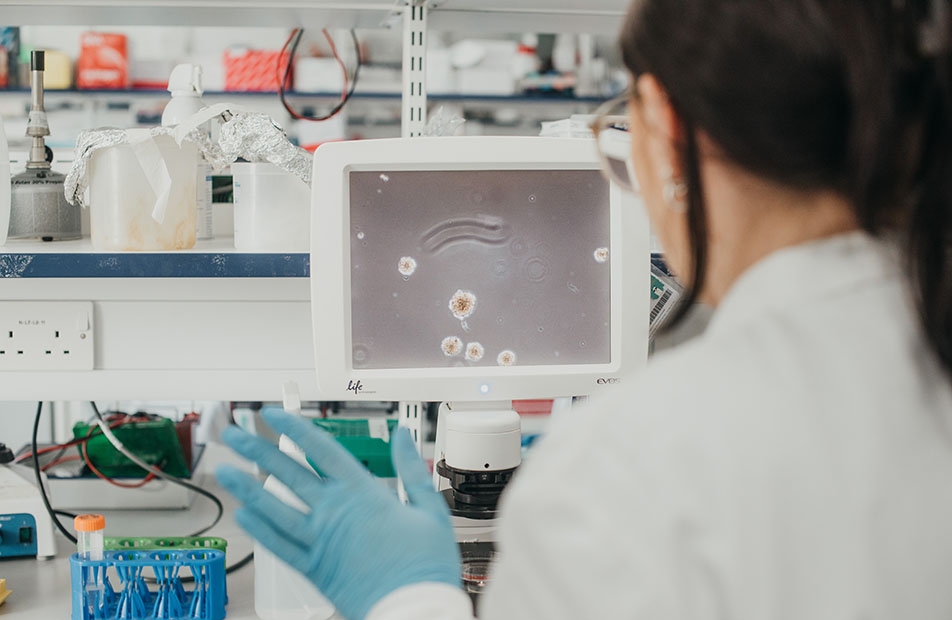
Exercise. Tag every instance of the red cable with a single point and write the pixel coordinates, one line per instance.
(70, 444)
(124, 485)
(283, 79)
(81, 442)
(65, 459)
(343, 67)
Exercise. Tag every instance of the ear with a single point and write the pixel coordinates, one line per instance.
(662, 122)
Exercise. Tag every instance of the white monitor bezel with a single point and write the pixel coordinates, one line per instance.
(330, 295)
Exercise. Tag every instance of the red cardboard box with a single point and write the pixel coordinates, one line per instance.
(252, 70)
(103, 61)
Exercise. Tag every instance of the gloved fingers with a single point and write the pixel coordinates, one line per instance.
(265, 533)
(413, 472)
(330, 458)
(290, 521)
(303, 481)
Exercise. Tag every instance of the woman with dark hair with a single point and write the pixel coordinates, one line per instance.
(795, 461)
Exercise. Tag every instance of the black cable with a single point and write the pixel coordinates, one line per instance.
(240, 563)
(287, 71)
(158, 472)
(75, 442)
(53, 513)
(39, 479)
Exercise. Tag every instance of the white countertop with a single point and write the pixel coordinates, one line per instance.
(41, 588)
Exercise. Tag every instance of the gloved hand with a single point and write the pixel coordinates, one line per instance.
(359, 543)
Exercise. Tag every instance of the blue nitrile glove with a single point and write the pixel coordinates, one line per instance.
(359, 543)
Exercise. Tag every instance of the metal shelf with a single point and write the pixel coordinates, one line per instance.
(214, 259)
(273, 13)
(554, 98)
(214, 323)
(496, 16)
(593, 16)
(209, 323)
(210, 259)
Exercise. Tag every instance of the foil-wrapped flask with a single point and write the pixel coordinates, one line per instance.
(38, 206)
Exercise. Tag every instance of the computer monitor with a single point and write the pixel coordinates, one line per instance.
(474, 269)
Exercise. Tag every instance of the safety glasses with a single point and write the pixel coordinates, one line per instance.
(613, 140)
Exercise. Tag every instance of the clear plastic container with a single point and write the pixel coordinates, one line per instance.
(122, 200)
(89, 546)
(272, 209)
(89, 536)
(282, 593)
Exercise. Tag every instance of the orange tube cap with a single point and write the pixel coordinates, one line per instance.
(89, 523)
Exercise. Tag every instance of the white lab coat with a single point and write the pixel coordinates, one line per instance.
(793, 463)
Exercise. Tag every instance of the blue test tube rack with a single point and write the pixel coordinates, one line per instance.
(125, 593)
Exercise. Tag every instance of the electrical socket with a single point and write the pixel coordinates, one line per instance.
(46, 335)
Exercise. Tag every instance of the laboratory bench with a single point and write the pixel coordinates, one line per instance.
(41, 588)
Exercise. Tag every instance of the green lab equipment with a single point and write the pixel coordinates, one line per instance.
(118, 543)
(155, 441)
(356, 436)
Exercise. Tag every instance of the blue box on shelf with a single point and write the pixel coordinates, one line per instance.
(96, 598)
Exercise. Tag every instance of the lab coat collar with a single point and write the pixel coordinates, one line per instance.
(805, 274)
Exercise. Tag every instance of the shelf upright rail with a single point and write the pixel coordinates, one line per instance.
(413, 116)
(413, 124)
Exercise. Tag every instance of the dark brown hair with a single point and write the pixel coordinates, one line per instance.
(853, 96)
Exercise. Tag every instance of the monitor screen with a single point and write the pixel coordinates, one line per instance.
(463, 268)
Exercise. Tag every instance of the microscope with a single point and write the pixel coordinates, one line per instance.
(478, 448)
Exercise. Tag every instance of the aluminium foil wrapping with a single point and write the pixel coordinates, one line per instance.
(249, 136)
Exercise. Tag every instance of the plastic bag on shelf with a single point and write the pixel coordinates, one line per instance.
(442, 123)
(576, 126)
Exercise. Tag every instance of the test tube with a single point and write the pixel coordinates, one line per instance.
(89, 536)
(89, 544)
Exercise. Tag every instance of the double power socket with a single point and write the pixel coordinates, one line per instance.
(47, 335)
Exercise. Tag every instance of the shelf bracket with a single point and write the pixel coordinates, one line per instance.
(413, 117)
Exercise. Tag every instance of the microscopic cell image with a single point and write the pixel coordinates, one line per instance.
(462, 304)
(407, 266)
(537, 269)
(601, 255)
(506, 358)
(489, 267)
(475, 352)
(452, 346)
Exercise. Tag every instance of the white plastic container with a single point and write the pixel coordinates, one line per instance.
(123, 198)
(185, 85)
(282, 593)
(272, 209)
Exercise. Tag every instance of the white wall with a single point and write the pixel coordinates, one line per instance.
(16, 424)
